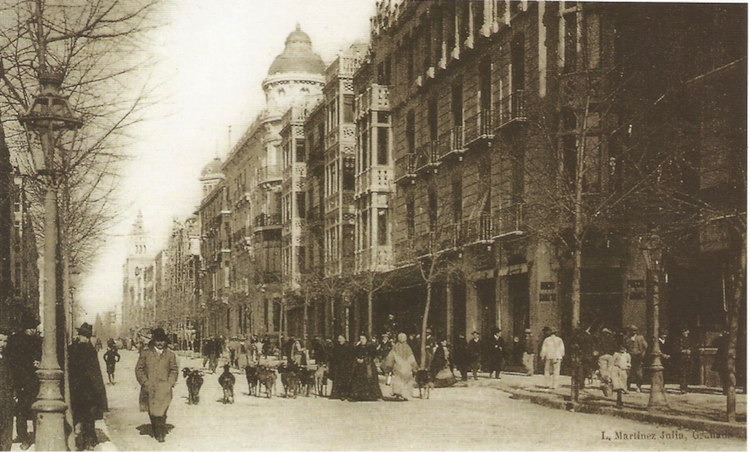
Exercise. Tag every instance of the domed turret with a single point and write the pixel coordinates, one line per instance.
(211, 175)
(298, 56)
(212, 168)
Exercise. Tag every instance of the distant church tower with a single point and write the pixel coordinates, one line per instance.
(211, 175)
(138, 281)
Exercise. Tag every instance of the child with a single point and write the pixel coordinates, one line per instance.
(110, 358)
(620, 368)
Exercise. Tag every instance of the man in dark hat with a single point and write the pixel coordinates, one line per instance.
(6, 396)
(475, 353)
(157, 373)
(88, 398)
(495, 350)
(636, 345)
(25, 353)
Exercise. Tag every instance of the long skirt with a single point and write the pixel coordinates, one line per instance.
(444, 378)
(402, 383)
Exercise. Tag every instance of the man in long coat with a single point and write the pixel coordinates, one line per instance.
(157, 373)
(88, 398)
(495, 351)
(25, 353)
(6, 396)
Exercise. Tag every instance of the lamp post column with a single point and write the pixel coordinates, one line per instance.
(50, 405)
(652, 253)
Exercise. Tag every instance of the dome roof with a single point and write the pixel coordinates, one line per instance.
(298, 56)
(213, 167)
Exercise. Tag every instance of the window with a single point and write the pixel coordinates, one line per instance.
(382, 227)
(485, 83)
(348, 175)
(457, 196)
(348, 108)
(301, 155)
(301, 205)
(517, 61)
(432, 118)
(409, 43)
(457, 104)
(570, 22)
(433, 208)
(410, 219)
(410, 132)
(382, 145)
(365, 149)
(365, 229)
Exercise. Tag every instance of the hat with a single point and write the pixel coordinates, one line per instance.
(29, 321)
(528, 331)
(86, 330)
(495, 330)
(158, 334)
(546, 329)
(632, 328)
(475, 332)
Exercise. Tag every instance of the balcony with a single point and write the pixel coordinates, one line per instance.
(265, 221)
(373, 179)
(405, 168)
(511, 109)
(378, 258)
(375, 98)
(342, 67)
(268, 175)
(509, 221)
(427, 157)
(344, 133)
(480, 230)
(479, 128)
(452, 144)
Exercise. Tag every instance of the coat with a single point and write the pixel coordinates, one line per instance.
(23, 350)
(552, 348)
(619, 370)
(157, 374)
(88, 398)
(475, 350)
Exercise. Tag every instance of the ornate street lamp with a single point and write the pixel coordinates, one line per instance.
(49, 116)
(652, 247)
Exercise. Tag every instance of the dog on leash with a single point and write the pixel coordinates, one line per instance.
(267, 378)
(321, 380)
(253, 380)
(194, 380)
(226, 380)
(424, 382)
(306, 381)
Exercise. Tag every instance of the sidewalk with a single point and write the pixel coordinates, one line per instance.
(702, 408)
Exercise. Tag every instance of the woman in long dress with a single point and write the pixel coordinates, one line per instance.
(340, 369)
(403, 364)
(441, 366)
(365, 386)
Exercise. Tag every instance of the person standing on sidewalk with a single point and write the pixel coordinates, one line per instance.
(157, 373)
(495, 352)
(621, 364)
(529, 352)
(637, 347)
(6, 396)
(25, 352)
(683, 350)
(475, 353)
(88, 398)
(553, 351)
(111, 358)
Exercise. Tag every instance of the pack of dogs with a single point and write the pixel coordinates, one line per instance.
(296, 380)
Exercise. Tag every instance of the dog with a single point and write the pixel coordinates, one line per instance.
(424, 382)
(194, 380)
(306, 381)
(290, 380)
(226, 380)
(321, 380)
(253, 380)
(267, 377)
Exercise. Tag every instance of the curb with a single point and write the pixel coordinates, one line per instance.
(712, 427)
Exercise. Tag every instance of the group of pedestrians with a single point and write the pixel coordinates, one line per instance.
(353, 371)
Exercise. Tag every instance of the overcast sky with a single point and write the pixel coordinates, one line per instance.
(211, 58)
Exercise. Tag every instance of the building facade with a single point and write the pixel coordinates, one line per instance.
(138, 282)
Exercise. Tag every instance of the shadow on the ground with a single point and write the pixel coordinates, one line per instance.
(101, 437)
(146, 430)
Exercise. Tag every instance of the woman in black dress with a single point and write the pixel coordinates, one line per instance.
(365, 385)
(340, 369)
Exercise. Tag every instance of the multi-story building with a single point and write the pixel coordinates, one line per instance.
(138, 282)
(495, 108)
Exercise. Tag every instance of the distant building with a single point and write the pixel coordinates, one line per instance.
(138, 282)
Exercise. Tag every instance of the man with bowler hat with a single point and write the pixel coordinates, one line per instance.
(157, 374)
(88, 398)
(25, 353)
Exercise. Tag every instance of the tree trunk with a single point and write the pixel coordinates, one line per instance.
(369, 314)
(734, 314)
(423, 343)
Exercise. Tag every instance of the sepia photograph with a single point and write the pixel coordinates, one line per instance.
(373, 225)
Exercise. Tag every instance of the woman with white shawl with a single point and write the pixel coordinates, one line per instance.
(403, 364)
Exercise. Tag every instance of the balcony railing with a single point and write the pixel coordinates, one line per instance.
(511, 109)
(375, 98)
(268, 174)
(452, 143)
(264, 220)
(405, 168)
(479, 127)
(480, 229)
(509, 221)
(427, 156)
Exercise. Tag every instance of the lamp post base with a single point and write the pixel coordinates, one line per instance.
(658, 397)
(50, 411)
